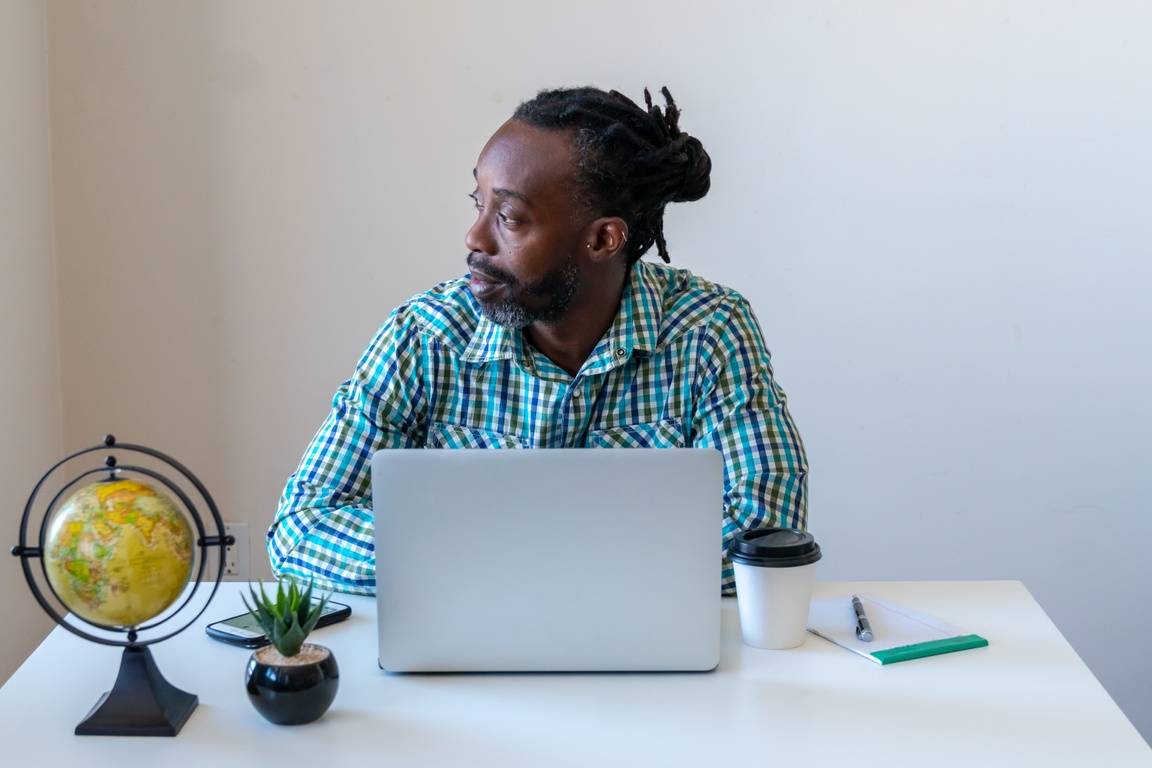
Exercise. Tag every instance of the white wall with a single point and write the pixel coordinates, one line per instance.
(29, 367)
(934, 207)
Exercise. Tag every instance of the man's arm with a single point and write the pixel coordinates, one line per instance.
(323, 526)
(742, 412)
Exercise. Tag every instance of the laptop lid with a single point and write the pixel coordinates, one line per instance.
(548, 560)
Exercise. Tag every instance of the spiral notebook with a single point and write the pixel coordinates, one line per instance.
(901, 634)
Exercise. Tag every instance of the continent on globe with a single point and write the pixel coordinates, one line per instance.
(118, 552)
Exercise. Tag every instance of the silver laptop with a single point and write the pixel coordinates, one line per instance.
(548, 560)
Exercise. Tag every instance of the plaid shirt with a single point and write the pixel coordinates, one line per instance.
(683, 364)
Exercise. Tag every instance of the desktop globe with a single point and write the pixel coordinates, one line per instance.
(118, 552)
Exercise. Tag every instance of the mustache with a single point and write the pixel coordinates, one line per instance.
(478, 264)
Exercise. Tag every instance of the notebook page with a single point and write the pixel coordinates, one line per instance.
(893, 626)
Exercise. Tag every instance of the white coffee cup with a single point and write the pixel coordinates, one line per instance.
(775, 573)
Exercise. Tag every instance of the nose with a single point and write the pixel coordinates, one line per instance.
(479, 237)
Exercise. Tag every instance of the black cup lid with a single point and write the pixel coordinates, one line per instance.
(774, 548)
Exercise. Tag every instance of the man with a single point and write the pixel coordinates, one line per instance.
(558, 337)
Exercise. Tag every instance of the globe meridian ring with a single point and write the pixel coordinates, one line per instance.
(33, 530)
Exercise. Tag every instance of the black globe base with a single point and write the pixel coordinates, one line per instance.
(141, 703)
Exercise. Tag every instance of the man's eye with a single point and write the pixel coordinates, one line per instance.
(507, 220)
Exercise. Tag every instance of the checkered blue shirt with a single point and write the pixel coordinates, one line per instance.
(683, 364)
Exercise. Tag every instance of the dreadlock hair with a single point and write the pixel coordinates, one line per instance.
(631, 161)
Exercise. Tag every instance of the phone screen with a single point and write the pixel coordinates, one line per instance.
(245, 625)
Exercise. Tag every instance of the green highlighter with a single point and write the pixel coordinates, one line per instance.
(930, 648)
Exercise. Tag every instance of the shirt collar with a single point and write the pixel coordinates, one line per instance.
(635, 330)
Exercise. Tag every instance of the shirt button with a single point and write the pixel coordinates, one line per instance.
(575, 394)
(620, 353)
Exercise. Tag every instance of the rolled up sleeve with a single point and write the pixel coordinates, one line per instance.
(742, 412)
(323, 527)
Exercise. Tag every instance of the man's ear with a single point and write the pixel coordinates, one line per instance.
(606, 238)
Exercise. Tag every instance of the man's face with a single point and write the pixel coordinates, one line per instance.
(524, 249)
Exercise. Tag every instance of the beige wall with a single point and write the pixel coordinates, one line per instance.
(30, 379)
(935, 208)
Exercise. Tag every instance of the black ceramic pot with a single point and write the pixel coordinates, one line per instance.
(292, 694)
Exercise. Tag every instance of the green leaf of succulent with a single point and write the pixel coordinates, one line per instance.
(292, 637)
(259, 610)
(313, 616)
(289, 616)
(305, 602)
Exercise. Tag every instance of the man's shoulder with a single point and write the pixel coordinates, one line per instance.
(446, 312)
(688, 301)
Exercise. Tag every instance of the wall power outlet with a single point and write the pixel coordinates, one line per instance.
(237, 565)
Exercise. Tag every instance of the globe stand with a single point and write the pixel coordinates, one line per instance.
(141, 703)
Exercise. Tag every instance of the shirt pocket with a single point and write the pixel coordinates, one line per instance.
(666, 433)
(442, 435)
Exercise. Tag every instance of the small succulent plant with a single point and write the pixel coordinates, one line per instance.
(288, 616)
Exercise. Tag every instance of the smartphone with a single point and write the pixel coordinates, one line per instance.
(243, 630)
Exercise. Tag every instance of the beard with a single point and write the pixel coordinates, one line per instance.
(552, 295)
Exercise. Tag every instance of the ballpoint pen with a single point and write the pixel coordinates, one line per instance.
(863, 628)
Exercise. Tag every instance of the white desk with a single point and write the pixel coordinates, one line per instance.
(1025, 700)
